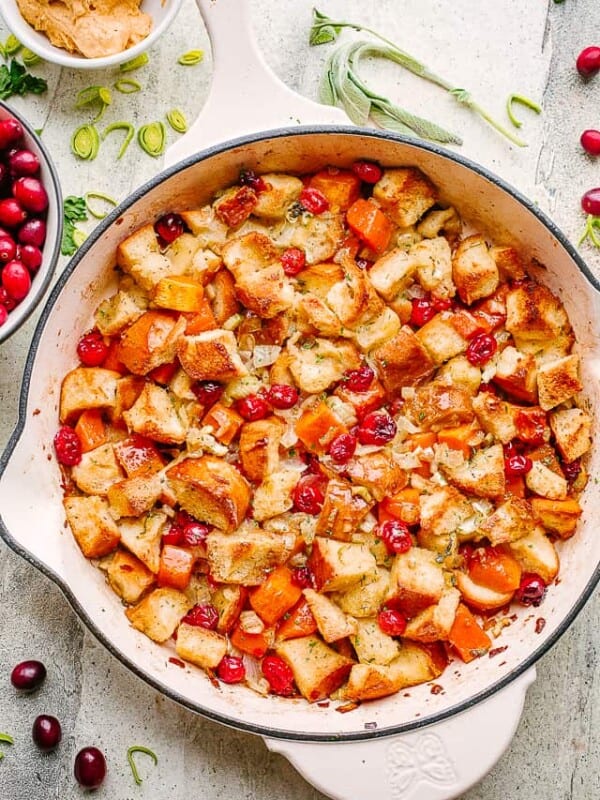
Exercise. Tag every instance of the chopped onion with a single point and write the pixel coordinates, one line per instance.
(415, 290)
(254, 677)
(404, 424)
(483, 506)
(292, 464)
(407, 392)
(407, 460)
(265, 355)
(289, 438)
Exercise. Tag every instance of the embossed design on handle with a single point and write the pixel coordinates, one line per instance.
(425, 760)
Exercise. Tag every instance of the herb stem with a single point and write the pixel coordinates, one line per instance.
(524, 101)
(496, 125)
(139, 749)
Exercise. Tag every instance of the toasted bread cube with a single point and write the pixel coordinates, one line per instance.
(474, 270)
(94, 529)
(459, 372)
(365, 599)
(433, 258)
(274, 201)
(202, 647)
(153, 415)
(320, 237)
(376, 331)
(150, 341)
(87, 387)
(129, 388)
(402, 361)
(181, 253)
(314, 313)
(331, 621)
(483, 475)
(222, 294)
(545, 482)
(318, 670)
(134, 496)
(205, 265)
(211, 490)
(416, 581)
(206, 226)
(392, 272)
(128, 577)
(405, 194)
(143, 537)
(533, 313)
(434, 623)
(159, 613)
(119, 311)
(572, 430)
(510, 521)
(496, 416)
(140, 256)
(178, 294)
(516, 373)
(436, 406)
(97, 470)
(229, 601)
(377, 472)
(259, 447)
(317, 367)
(248, 253)
(371, 644)
(536, 553)
(509, 262)
(274, 495)
(342, 512)
(211, 355)
(267, 292)
(319, 278)
(441, 339)
(245, 556)
(443, 510)
(338, 566)
(353, 299)
(480, 597)
(438, 221)
(558, 381)
(557, 516)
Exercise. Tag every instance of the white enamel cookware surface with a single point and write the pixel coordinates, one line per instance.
(428, 763)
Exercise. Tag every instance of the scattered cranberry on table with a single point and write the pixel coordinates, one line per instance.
(588, 61)
(90, 768)
(46, 732)
(590, 141)
(590, 202)
(28, 675)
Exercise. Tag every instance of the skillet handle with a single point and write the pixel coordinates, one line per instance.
(438, 762)
(245, 95)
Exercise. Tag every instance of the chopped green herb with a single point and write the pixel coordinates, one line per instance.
(16, 80)
(74, 210)
(191, 58)
(139, 749)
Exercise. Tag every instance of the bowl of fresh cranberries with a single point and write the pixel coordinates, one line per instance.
(30, 220)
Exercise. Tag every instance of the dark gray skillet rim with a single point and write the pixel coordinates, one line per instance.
(279, 733)
(40, 289)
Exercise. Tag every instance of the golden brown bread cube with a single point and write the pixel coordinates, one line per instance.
(211, 490)
(434, 623)
(533, 313)
(438, 221)
(416, 581)
(338, 566)
(483, 475)
(433, 258)
(140, 256)
(259, 447)
(365, 599)
(153, 415)
(87, 387)
(536, 553)
(441, 339)
(97, 470)
(319, 237)
(134, 496)
(223, 297)
(402, 361)
(377, 472)
(511, 520)
(202, 647)
(245, 556)
(558, 381)
(150, 341)
(405, 194)
(211, 355)
(572, 429)
(331, 621)
(206, 226)
(267, 292)
(509, 262)
(353, 299)
(229, 602)
(376, 331)
(119, 311)
(392, 272)
(159, 613)
(315, 316)
(443, 510)
(496, 416)
(274, 495)
(371, 644)
(94, 529)
(516, 373)
(558, 517)
(318, 363)
(474, 270)
(318, 669)
(129, 388)
(143, 536)
(543, 481)
(249, 253)
(460, 373)
(281, 191)
(128, 577)
(319, 278)
(436, 406)
(342, 512)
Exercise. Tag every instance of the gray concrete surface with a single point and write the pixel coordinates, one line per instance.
(527, 46)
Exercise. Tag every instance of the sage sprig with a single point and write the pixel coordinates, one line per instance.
(342, 87)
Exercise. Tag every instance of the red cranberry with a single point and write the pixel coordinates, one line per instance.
(302, 577)
(441, 303)
(282, 396)
(33, 231)
(293, 261)
(391, 622)
(252, 408)
(169, 227)
(590, 202)
(28, 675)
(376, 428)
(11, 131)
(31, 256)
(588, 61)
(90, 768)
(174, 535)
(68, 446)
(23, 162)
(517, 464)
(203, 616)
(16, 279)
(231, 669)
(313, 200)
(194, 533)
(342, 448)
(30, 194)
(571, 470)
(46, 732)
(208, 392)
(11, 212)
(308, 494)
(367, 171)
(481, 348)
(359, 380)
(91, 349)
(531, 591)
(396, 536)
(590, 141)
(8, 248)
(3, 315)
(422, 311)
(6, 300)
(279, 675)
(249, 178)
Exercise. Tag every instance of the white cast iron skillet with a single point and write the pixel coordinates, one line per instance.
(417, 745)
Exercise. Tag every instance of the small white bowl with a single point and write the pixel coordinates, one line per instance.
(163, 12)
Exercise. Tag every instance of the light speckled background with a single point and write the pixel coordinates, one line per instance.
(490, 48)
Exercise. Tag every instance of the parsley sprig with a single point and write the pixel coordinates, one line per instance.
(14, 79)
(74, 210)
